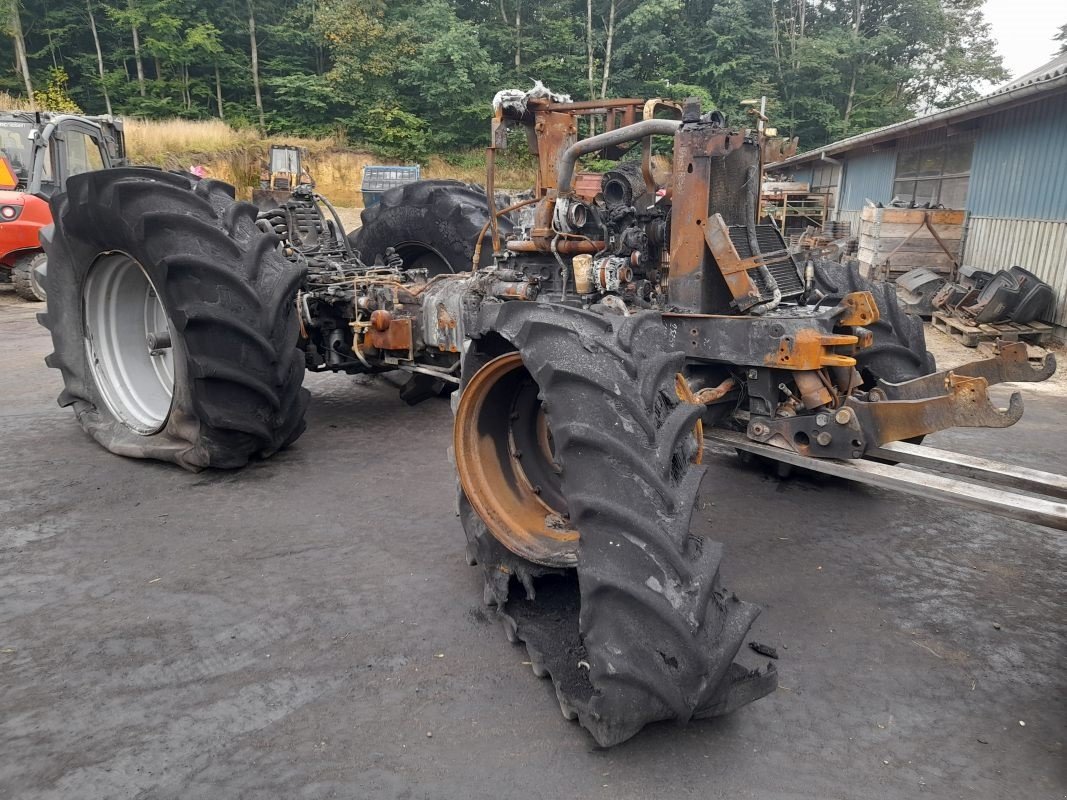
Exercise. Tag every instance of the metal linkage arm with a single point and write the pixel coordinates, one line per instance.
(1009, 365)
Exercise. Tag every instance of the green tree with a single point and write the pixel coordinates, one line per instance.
(414, 76)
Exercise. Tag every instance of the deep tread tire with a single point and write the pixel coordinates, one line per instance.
(899, 351)
(22, 276)
(657, 629)
(441, 216)
(227, 292)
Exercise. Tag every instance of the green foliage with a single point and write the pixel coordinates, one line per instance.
(395, 133)
(304, 104)
(446, 75)
(56, 96)
(417, 76)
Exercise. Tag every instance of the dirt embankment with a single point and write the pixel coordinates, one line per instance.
(238, 157)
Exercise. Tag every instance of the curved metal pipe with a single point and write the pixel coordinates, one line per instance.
(567, 247)
(629, 133)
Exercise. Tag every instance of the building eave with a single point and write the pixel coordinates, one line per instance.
(1011, 95)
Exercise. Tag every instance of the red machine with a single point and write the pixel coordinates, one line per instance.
(38, 152)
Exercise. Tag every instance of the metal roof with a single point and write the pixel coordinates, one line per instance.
(1053, 69)
(1046, 78)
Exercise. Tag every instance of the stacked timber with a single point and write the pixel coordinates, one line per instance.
(895, 240)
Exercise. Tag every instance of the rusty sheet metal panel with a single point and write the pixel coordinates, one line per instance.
(396, 336)
(1037, 245)
(587, 184)
(710, 167)
(556, 131)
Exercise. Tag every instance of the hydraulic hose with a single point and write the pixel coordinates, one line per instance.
(752, 192)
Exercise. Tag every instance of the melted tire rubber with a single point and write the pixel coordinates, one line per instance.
(642, 630)
(228, 295)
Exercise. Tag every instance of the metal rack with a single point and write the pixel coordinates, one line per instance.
(795, 211)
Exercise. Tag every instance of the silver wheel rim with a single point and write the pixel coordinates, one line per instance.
(34, 282)
(128, 343)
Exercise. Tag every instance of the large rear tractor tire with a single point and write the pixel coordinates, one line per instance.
(432, 225)
(575, 461)
(173, 320)
(24, 276)
(899, 351)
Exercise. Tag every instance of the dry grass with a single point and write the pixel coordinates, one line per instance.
(10, 102)
(235, 155)
(229, 154)
(152, 140)
(149, 141)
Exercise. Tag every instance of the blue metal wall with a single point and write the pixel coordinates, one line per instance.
(1017, 202)
(1020, 163)
(868, 177)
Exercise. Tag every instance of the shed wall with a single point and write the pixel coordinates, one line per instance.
(1020, 163)
(1018, 195)
(868, 177)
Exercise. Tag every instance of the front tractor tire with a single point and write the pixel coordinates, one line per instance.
(173, 320)
(575, 457)
(24, 277)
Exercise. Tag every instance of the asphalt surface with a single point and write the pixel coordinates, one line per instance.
(307, 627)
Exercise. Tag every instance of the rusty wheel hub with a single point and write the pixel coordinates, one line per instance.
(504, 457)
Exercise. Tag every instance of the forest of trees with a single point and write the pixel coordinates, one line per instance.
(413, 76)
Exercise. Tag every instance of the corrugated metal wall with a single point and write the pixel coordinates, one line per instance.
(1018, 195)
(1020, 163)
(868, 177)
(1038, 245)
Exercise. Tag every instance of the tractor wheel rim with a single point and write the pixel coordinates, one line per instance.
(504, 459)
(128, 343)
(418, 255)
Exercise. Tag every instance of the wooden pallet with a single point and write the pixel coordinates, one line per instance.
(970, 335)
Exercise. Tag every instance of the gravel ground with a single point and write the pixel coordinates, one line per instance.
(307, 627)
(350, 218)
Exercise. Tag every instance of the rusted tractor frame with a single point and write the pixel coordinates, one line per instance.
(758, 347)
(709, 285)
(619, 328)
(614, 332)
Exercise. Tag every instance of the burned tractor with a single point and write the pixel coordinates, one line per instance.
(595, 343)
